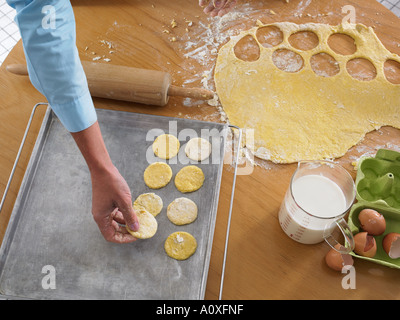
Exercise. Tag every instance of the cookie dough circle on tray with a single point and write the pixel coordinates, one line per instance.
(149, 201)
(182, 211)
(147, 225)
(166, 146)
(157, 175)
(180, 245)
(189, 179)
(198, 149)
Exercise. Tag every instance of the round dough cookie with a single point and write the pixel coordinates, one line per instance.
(157, 175)
(166, 146)
(147, 225)
(189, 179)
(180, 245)
(182, 211)
(198, 149)
(149, 201)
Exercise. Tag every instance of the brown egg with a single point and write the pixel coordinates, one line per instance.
(336, 261)
(372, 222)
(391, 245)
(365, 244)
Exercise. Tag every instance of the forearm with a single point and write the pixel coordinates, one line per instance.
(91, 144)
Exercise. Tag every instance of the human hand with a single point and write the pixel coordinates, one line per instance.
(217, 7)
(111, 197)
(112, 206)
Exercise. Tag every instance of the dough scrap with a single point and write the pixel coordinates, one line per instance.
(182, 211)
(166, 146)
(301, 115)
(180, 245)
(198, 149)
(157, 175)
(150, 202)
(147, 225)
(189, 179)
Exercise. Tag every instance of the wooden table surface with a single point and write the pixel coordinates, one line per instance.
(262, 262)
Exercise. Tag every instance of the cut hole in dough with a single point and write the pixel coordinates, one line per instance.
(342, 44)
(149, 201)
(361, 69)
(304, 40)
(269, 36)
(157, 175)
(391, 69)
(182, 211)
(189, 179)
(324, 65)
(198, 149)
(180, 245)
(166, 146)
(287, 60)
(247, 49)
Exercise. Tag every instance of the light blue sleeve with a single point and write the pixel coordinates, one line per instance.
(48, 35)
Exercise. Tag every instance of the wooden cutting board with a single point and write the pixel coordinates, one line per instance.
(262, 262)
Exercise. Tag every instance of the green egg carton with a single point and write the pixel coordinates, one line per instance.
(378, 188)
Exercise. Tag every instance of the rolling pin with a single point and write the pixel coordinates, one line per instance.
(129, 84)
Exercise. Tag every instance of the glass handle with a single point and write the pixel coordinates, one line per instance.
(348, 237)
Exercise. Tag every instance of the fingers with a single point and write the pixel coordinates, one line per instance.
(209, 8)
(120, 235)
(111, 230)
(218, 4)
(203, 3)
(129, 215)
(217, 7)
(227, 8)
(119, 217)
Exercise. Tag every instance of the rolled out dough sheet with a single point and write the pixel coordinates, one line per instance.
(301, 115)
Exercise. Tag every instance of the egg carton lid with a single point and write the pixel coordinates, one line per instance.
(378, 179)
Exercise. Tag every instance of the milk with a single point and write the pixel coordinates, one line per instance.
(320, 197)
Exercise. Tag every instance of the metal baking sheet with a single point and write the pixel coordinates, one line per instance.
(52, 232)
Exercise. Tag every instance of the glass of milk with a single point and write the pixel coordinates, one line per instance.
(319, 196)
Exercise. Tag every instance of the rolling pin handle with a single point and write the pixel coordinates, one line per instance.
(18, 69)
(195, 93)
